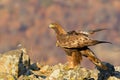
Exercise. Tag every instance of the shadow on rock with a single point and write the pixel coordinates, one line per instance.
(25, 67)
(105, 74)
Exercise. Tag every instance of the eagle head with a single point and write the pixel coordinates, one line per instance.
(53, 25)
(57, 28)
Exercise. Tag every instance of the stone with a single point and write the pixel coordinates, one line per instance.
(5, 76)
(13, 62)
(16, 65)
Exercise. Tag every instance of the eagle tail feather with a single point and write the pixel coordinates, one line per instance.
(94, 42)
(97, 30)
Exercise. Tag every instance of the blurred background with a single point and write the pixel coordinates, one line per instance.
(26, 22)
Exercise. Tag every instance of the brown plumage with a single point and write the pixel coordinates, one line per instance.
(76, 44)
(74, 57)
(86, 33)
(74, 39)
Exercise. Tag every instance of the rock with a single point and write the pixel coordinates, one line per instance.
(31, 77)
(55, 74)
(60, 72)
(16, 65)
(69, 74)
(34, 67)
(44, 68)
(13, 62)
(5, 76)
(110, 73)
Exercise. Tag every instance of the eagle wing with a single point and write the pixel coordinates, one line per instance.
(73, 41)
(76, 41)
(90, 32)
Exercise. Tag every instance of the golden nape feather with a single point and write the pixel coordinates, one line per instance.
(57, 28)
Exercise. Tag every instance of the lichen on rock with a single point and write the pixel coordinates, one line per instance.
(16, 65)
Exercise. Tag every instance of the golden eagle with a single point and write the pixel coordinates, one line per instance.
(75, 44)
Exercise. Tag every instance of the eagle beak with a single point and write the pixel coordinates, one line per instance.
(51, 26)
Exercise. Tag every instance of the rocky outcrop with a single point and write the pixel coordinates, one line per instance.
(10, 61)
(16, 65)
